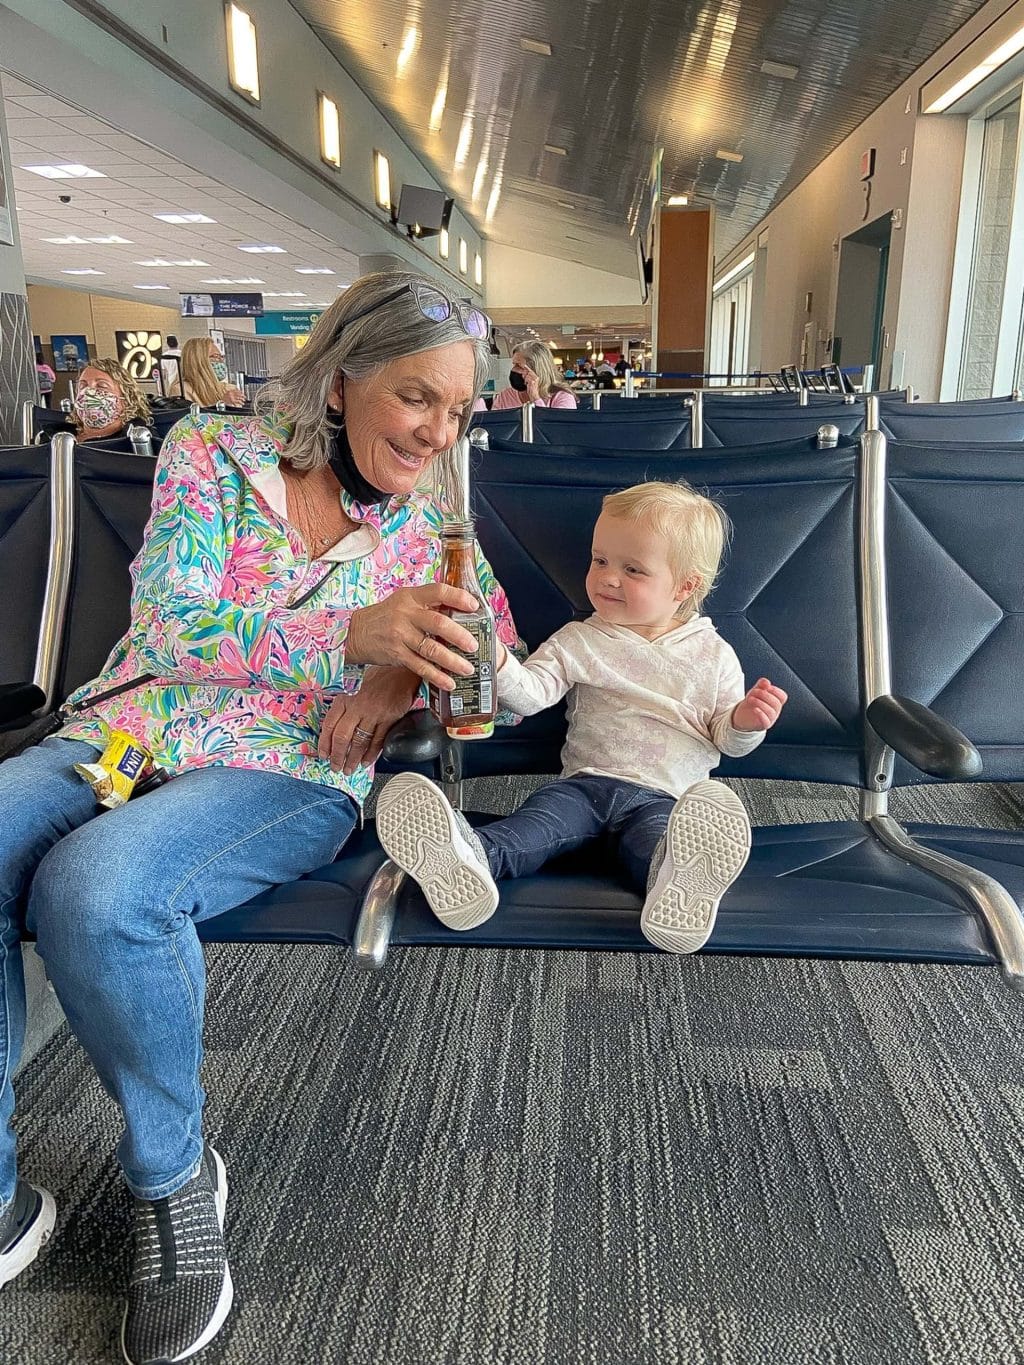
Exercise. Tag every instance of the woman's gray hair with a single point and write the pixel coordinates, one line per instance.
(392, 330)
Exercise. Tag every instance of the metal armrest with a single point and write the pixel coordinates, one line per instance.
(923, 738)
(19, 700)
(416, 738)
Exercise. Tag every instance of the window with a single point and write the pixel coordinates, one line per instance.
(730, 329)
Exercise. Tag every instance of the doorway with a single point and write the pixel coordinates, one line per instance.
(860, 298)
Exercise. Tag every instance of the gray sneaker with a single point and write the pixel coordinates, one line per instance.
(701, 854)
(435, 845)
(181, 1289)
(25, 1227)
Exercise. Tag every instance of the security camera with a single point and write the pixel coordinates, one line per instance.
(64, 198)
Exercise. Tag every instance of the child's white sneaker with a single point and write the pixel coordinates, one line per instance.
(435, 845)
(701, 853)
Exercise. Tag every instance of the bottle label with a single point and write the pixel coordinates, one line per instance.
(474, 696)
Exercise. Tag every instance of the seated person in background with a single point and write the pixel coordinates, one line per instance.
(658, 697)
(286, 552)
(107, 399)
(204, 375)
(534, 379)
(170, 367)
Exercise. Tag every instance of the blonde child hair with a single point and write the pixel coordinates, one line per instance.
(695, 529)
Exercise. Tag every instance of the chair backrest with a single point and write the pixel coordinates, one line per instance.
(956, 593)
(786, 598)
(650, 461)
(503, 425)
(24, 555)
(46, 422)
(112, 502)
(624, 425)
(994, 420)
(723, 429)
(164, 418)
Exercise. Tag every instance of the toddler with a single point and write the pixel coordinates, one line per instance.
(656, 697)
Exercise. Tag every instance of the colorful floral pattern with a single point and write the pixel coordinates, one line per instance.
(245, 636)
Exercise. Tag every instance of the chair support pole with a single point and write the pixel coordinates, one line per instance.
(376, 919)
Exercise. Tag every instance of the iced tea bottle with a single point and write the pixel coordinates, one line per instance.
(468, 712)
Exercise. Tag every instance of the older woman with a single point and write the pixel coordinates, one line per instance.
(106, 400)
(285, 554)
(204, 375)
(534, 379)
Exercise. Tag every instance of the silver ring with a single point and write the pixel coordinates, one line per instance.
(419, 647)
(366, 735)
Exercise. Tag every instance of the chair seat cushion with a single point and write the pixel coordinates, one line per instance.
(812, 890)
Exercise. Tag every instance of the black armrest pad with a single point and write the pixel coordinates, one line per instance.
(416, 738)
(18, 700)
(923, 738)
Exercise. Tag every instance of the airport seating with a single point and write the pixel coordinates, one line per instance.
(724, 428)
(787, 600)
(986, 420)
(648, 463)
(24, 556)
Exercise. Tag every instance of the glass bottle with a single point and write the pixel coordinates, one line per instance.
(468, 712)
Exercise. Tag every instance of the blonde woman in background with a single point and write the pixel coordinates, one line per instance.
(534, 379)
(107, 399)
(204, 375)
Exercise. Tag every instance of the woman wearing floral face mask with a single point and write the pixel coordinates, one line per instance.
(204, 375)
(107, 400)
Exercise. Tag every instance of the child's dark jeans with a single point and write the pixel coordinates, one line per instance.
(571, 812)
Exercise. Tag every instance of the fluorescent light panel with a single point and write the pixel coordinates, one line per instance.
(243, 59)
(783, 70)
(263, 249)
(288, 294)
(248, 279)
(330, 130)
(463, 255)
(996, 58)
(724, 154)
(536, 45)
(82, 272)
(160, 262)
(676, 201)
(478, 269)
(382, 180)
(555, 151)
(443, 244)
(85, 241)
(313, 270)
(181, 218)
(69, 171)
(737, 269)
(152, 286)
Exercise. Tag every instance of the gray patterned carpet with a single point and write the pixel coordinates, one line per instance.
(542, 1159)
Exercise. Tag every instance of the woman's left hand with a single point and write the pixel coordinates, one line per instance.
(357, 723)
(532, 385)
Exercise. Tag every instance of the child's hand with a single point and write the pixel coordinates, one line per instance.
(759, 709)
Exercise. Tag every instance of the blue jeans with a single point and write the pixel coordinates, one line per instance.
(571, 812)
(114, 903)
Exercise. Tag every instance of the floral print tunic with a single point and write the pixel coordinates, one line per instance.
(243, 634)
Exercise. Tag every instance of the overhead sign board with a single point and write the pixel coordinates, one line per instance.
(221, 305)
(292, 323)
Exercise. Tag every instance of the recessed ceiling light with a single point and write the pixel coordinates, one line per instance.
(724, 155)
(537, 45)
(82, 241)
(313, 270)
(287, 294)
(71, 171)
(66, 241)
(555, 151)
(263, 249)
(111, 241)
(81, 272)
(223, 279)
(152, 286)
(564, 204)
(676, 201)
(159, 261)
(180, 218)
(783, 70)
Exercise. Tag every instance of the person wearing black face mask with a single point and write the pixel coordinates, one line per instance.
(534, 379)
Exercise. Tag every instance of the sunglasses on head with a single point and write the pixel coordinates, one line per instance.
(433, 305)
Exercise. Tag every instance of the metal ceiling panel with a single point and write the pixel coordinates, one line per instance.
(625, 77)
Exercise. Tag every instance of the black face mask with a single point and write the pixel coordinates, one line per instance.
(346, 471)
(517, 381)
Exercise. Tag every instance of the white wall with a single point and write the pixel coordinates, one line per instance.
(805, 228)
(526, 279)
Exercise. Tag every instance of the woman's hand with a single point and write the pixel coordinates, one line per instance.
(357, 724)
(234, 398)
(532, 378)
(760, 708)
(402, 629)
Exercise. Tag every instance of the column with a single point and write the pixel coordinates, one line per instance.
(684, 242)
(17, 358)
